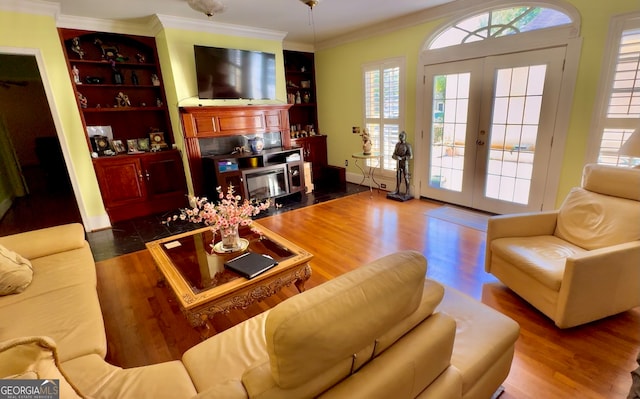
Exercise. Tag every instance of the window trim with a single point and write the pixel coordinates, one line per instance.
(568, 36)
(428, 45)
(618, 24)
(399, 62)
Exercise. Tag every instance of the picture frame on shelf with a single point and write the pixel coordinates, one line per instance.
(132, 146)
(118, 146)
(143, 144)
(100, 131)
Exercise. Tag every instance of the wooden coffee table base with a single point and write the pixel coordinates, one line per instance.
(199, 316)
(192, 272)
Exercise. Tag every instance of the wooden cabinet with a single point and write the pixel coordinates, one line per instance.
(314, 150)
(272, 173)
(215, 122)
(301, 92)
(118, 85)
(133, 186)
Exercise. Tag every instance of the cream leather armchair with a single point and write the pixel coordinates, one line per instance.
(579, 263)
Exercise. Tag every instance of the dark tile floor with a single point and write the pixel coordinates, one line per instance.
(131, 235)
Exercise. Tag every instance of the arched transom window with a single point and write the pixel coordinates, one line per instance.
(498, 23)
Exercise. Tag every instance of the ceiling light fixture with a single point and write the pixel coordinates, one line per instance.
(310, 3)
(208, 7)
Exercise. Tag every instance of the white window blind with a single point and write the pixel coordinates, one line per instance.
(384, 104)
(621, 114)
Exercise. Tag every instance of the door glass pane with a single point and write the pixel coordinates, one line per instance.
(514, 132)
(449, 130)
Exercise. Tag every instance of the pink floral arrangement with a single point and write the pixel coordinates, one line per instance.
(228, 212)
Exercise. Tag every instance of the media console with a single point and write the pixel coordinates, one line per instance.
(270, 174)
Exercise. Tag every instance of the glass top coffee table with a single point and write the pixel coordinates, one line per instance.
(202, 285)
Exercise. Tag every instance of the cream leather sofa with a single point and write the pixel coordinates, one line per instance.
(380, 331)
(579, 263)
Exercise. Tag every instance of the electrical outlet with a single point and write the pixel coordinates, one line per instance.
(346, 162)
(355, 130)
(382, 185)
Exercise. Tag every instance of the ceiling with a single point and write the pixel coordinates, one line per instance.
(331, 18)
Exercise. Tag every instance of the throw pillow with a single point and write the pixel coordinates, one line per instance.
(29, 358)
(16, 272)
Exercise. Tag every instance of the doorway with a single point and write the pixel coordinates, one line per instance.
(491, 129)
(40, 193)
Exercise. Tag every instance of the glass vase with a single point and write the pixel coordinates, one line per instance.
(230, 238)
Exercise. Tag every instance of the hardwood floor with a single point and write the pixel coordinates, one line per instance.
(144, 325)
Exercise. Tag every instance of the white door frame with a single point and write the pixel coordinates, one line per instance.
(56, 122)
(553, 37)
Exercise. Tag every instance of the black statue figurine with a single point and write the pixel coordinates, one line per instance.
(402, 153)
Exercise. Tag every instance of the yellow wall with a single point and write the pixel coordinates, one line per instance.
(339, 82)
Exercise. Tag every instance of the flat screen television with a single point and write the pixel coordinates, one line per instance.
(225, 73)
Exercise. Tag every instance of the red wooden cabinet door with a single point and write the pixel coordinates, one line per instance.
(164, 177)
(121, 181)
(164, 174)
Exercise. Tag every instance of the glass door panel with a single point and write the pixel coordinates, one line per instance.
(491, 126)
(453, 121)
(514, 130)
(518, 111)
(450, 106)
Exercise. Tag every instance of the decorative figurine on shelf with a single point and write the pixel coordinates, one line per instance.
(76, 75)
(402, 153)
(366, 142)
(141, 58)
(159, 102)
(298, 98)
(82, 100)
(155, 80)
(306, 98)
(75, 47)
(109, 51)
(118, 79)
(122, 100)
(134, 78)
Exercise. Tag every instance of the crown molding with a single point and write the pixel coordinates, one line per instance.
(447, 10)
(395, 24)
(297, 46)
(166, 21)
(140, 27)
(31, 7)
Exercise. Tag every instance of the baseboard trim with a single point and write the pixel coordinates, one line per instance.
(100, 222)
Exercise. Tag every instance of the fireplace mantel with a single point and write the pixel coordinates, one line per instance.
(219, 121)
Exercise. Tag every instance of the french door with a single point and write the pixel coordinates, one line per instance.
(491, 129)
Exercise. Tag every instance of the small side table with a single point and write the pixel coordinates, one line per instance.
(370, 173)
